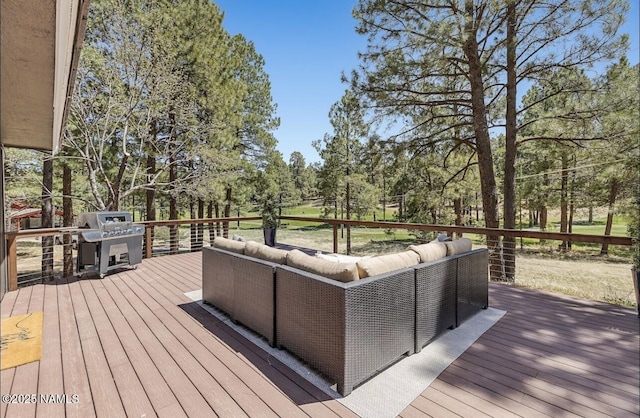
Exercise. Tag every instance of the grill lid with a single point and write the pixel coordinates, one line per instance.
(103, 225)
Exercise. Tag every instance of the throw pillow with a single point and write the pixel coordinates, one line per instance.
(458, 246)
(442, 238)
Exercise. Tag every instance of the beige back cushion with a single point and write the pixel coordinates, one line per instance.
(458, 246)
(328, 257)
(386, 263)
(229, 245)
(341, 258)
(343, 272)
(430, 252)
(264, 252)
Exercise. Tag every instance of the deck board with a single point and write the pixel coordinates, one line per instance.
(104, 392)
(23, 381)
(50, 378)
(197, 339)
(194, 386)
(522, 355)
(8, 301)
(228, 335)
(74, 369)
(133, 344)
(155, 387)
(159, 359)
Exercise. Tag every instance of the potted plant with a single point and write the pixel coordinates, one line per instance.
(269, 220)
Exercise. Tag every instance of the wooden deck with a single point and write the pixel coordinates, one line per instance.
(133, 345)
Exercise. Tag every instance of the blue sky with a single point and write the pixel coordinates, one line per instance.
(307, 44)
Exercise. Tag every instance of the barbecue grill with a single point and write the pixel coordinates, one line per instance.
(107, 241)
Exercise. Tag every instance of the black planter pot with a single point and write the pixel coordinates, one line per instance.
(270, 236)
(635, 276)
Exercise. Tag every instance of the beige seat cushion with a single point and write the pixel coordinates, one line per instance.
(229, 245)
(458, 246)
(264, 252)
(430, 252)
(386, 263)
(343, 272)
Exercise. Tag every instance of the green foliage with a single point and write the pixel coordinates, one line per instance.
(23, 177)
(633, 225)
(167, 100)
(342, 182)
(274, 189)
(269, 212)
(303, 175)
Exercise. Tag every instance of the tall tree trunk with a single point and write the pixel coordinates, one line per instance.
(151, 172)
(543, 218)
(483, 145)
(114, 194)
(572, 188)
(613, 193)
(384, 197)
(348, 198)
(151, 192)
(174, 233)
(200, 226)
(193, 232)
(564, 199)
(212, 229)
(47, 218)
(457, 208)
(174, 238)
(511, 131)
(543, 212)
(67, 220)
(218, 224)
(227, 210)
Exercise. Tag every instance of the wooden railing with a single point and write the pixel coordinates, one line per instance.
(12, 237)
(449, 229)
(12, 249)
(151, 225)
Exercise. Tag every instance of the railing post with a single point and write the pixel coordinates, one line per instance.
(335, 238)
(12, 263)
(174, 244)
(148, 242)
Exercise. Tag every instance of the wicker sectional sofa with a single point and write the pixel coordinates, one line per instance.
(347, 330)
(241, 286)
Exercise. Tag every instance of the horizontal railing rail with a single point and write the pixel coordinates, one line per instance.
(151, 225)
(515, 233)
(199, 221)
(336, 224)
